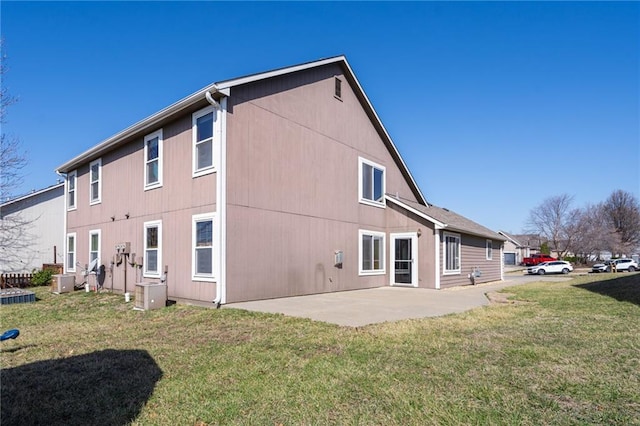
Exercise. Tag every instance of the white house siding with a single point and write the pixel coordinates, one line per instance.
(42, 214)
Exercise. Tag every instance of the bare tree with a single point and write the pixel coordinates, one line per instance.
(555, 222)
(14, 235)
(593, 233)
(622, 212)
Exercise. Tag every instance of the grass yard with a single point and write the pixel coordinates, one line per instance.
(560, 353)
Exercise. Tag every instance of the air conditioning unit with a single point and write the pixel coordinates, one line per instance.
(150, 296)
(63, 283)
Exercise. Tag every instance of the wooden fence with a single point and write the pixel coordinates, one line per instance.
(15, 280)
(24, 280)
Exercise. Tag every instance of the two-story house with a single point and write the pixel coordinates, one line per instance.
(276, 184)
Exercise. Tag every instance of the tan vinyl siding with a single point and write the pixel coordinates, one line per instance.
(292, 187)
(473, 255)
(126, 206)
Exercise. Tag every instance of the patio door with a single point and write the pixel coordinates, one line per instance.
(404, 257)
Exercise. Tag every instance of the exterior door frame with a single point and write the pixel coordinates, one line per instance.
(413, 236)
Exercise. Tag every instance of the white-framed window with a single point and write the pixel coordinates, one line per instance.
(71, 252)
(95, 181)
(203, 247)
(94, 250)
(152, 249)
(72, 178)
(371, 252)
(371, 182)
(451, 253)
(203, 149)
(489, 249)
(153, 160)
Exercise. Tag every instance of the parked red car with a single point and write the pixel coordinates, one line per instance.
(536, 259)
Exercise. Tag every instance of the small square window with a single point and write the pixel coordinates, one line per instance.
(338, 88)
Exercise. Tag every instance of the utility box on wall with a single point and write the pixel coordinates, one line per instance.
(63, 283)
(150, 296)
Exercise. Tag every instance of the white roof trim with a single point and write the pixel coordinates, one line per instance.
(32, 194)
(437, 223)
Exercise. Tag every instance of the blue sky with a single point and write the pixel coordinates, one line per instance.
(494, 106)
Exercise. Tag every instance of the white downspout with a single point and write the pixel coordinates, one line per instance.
(221, 201)
(437, 248)
(64, 222)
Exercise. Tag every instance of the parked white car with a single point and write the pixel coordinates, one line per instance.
(555, 267)
(620, 264)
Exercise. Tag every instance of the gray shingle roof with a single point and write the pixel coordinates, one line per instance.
(452, 220)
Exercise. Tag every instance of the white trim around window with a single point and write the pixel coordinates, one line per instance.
(203, 137)
(71, 245)
(95, 182)
(371, 183)
(203, 248)
(94, 249)
(153, 160)
(371, 252)
(71, 190)
(451, 256)
(152, 267)
(489, 251)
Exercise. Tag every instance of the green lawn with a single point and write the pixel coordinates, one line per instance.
(561, 353)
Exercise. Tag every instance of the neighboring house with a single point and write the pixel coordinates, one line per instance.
(514, 250)
(32, 230)
(276, 184)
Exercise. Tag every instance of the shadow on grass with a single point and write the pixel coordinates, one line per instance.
(623, 288)
(108, 387)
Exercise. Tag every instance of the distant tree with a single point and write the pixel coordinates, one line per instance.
(554, 221)
(622, 212)
(544, 248)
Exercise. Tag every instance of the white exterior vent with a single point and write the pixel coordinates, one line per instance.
(150, 296)
(63, 283)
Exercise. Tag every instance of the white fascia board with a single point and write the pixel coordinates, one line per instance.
(386, 134)
(33, 194)
(140, 126)
(227, 84)
(437, 223)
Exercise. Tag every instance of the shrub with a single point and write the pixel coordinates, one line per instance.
(41, 277)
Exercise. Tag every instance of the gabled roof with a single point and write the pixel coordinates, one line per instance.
(446, 219)
(223, 88)
(32, 194)
(511, 238)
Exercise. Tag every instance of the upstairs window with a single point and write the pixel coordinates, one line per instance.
(153, 160)
(203, 122)
(489, 250)
(71, 190)
(95, 181)
(451, 253)
(152, 248)
(338, 88)
(371, 182)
